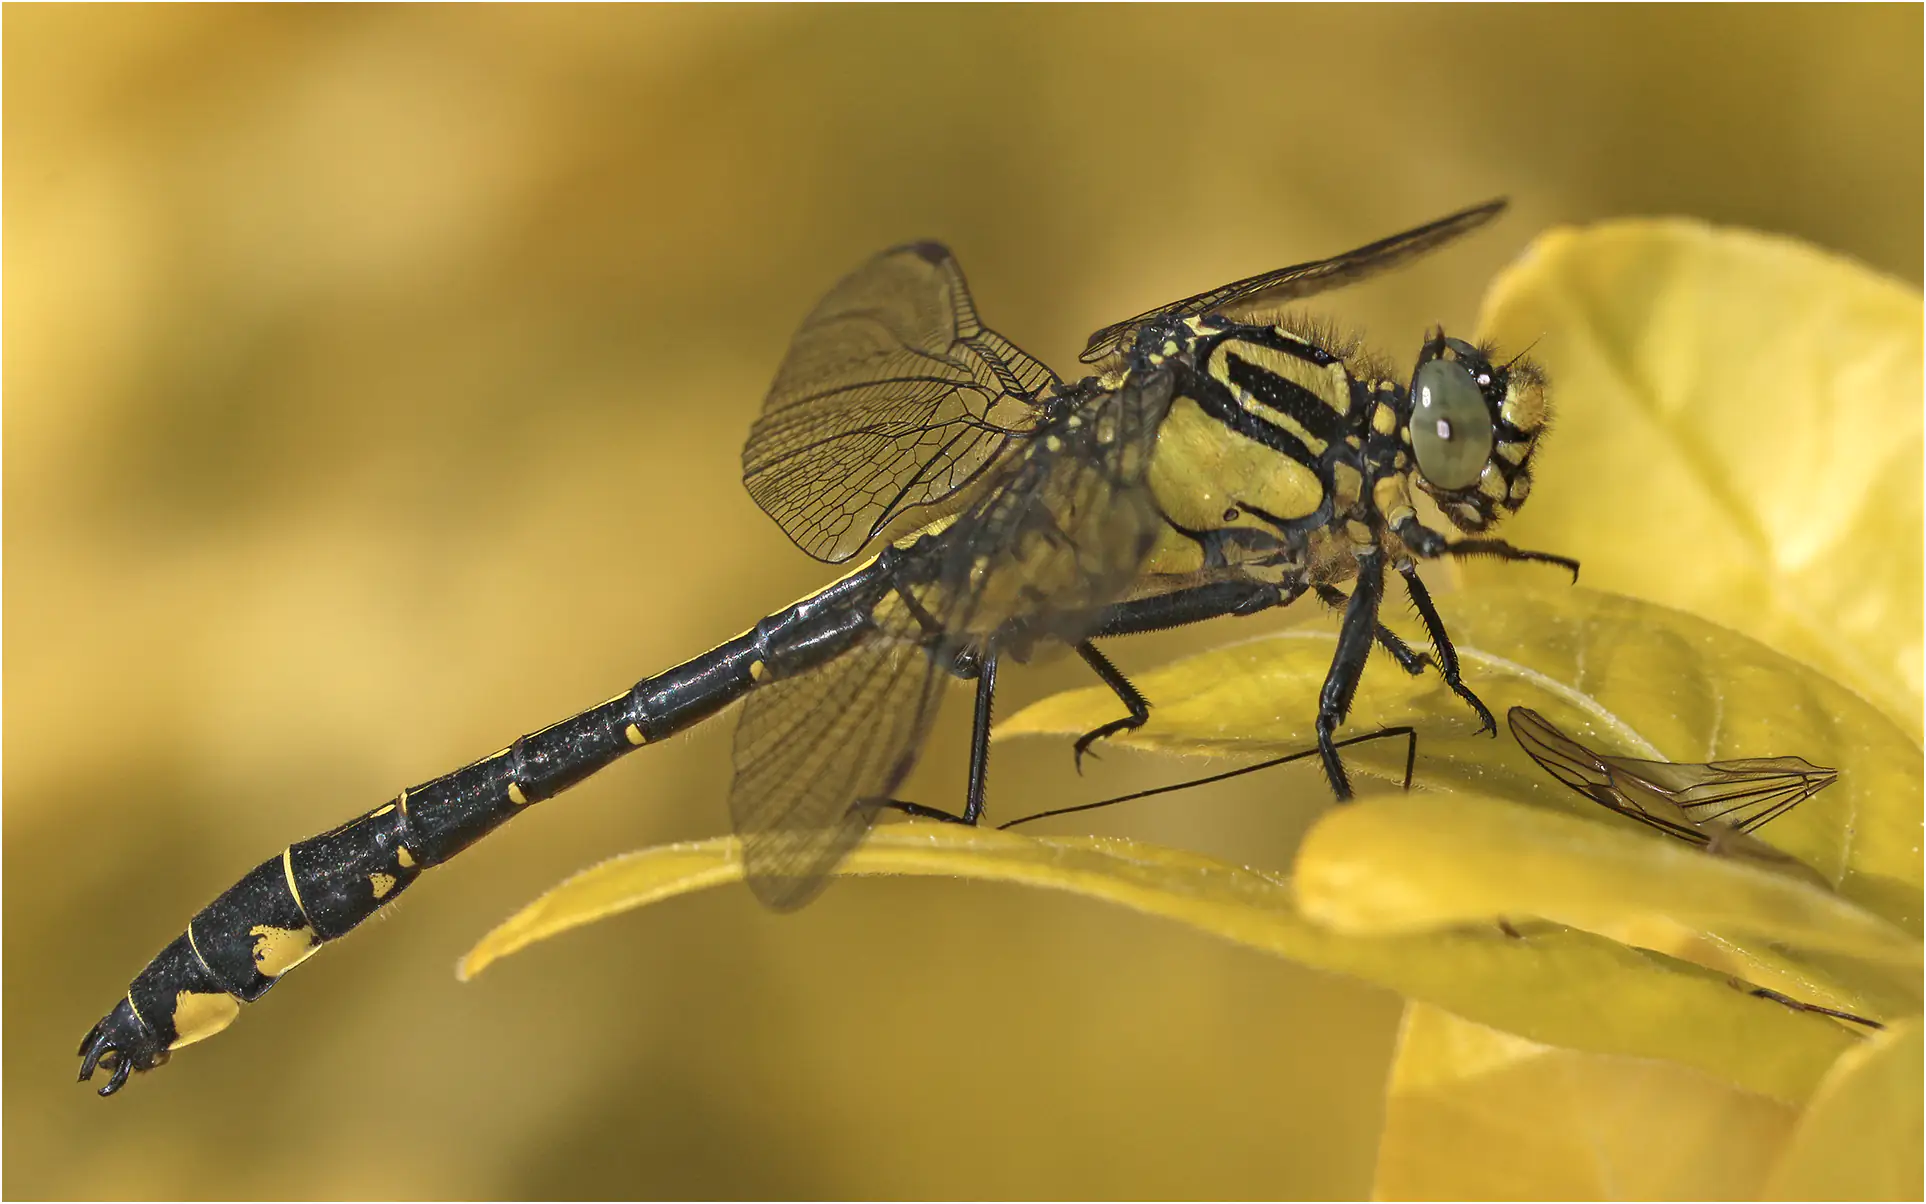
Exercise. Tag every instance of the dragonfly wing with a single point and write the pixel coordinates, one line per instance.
(1058, 535)
(1064, 529)
(892, 397)
(816, 754)
(1272, 289)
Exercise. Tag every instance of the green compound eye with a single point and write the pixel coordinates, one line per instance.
(1450, 426)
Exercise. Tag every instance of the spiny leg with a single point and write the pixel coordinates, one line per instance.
(1427, 543)
(1126, 694)
(1347, 666)
(1441, 644)
(1409, 659)
(1499, 549)
(985, 666)
(1160, 613)
(1196, 604)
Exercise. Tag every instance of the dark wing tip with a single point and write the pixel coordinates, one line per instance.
(929, 249)
(1106, 341)
(1101, 344)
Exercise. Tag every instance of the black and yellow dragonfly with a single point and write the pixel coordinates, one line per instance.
(1225, 458)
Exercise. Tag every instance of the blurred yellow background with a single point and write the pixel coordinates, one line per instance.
(374, 386)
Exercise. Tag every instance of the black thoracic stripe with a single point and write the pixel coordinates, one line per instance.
(318, 889)
(1286, 397)
(1217, 401)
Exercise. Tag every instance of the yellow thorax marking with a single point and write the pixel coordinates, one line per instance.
(1201, 468)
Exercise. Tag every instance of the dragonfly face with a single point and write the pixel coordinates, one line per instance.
(1224, 460)
(1472, 428)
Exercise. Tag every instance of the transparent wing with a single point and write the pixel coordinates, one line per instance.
(1742, 795)
(1063, 530)
(1694, 801)
(1058, 535)
(892, 397)
(1301, 280)
(815, 755)
(1581, 769)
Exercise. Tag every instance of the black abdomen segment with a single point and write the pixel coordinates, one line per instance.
(318, 889)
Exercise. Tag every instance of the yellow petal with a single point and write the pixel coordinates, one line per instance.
(1860, 1137)
(1738, 435)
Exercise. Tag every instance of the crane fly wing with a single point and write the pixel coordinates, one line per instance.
(1301, 280)
(1058, 534)
(1585, 772)
(1699, 802)
(893, 397)
(1740, 794)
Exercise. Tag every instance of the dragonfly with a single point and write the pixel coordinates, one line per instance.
(1224, 457)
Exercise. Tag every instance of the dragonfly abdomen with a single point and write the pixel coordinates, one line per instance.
(319, 889)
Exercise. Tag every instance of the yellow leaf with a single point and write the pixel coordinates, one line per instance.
(1473, 1113)
(1738, 435)
(1860, 1137)
(1562, 987)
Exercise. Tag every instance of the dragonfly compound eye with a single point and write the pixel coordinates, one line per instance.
(1450, 425)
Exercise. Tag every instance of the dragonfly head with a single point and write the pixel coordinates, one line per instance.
(1473, 426)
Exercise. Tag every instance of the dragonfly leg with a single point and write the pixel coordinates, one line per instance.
(1126, 693)
(985, 672)
(1431, 545)
(1178, 608)
(1160, 613)
(980, 738)
(1409, 659)
(1347, 666)
(1441, 643)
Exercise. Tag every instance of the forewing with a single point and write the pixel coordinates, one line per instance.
(892, 397)
(815, 755)
(1276, 288)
